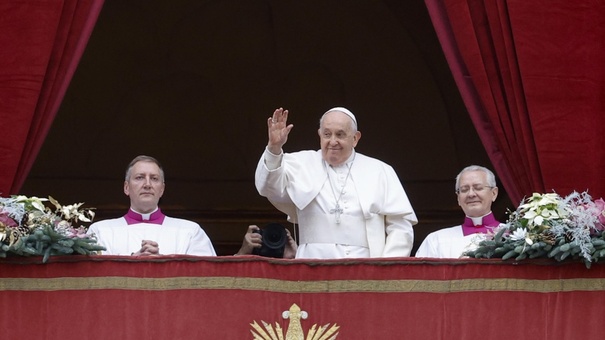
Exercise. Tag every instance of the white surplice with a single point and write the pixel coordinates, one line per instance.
(174, 236)
(448, 243)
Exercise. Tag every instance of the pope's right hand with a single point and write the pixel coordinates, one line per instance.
(278, 130)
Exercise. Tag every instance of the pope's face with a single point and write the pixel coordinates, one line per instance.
(475, 196)
(337, 138)
(145, 186)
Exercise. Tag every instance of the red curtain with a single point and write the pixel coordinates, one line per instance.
(532, 76)
(42, 43)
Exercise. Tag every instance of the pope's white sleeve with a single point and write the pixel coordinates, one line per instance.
(400, 236)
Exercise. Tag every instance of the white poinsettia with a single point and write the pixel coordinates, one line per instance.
(519, 234)
(73, 211)
(32, 201)
(543, 207)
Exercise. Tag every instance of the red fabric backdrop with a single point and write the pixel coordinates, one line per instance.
(41, 45)
(532, 76)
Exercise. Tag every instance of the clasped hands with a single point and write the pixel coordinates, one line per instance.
(148, 248)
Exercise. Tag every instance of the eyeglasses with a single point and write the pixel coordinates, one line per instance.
(477, 188)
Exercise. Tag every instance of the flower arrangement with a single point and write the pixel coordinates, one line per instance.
(28, 227)
(549, 226)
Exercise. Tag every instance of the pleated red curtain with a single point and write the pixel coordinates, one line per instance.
(42, 42)
(532, 76)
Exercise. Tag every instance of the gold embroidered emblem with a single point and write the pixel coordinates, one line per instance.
(295, 331)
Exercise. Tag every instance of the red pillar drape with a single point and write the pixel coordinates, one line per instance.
(42, 42)
(532, 75)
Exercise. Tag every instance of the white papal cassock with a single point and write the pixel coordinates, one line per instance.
(376, 217)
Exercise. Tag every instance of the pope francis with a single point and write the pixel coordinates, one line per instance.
(346, 205)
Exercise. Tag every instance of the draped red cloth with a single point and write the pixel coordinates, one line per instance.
(41, 45)
(188, 297)
(531, 74)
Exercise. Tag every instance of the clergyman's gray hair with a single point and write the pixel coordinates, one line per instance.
(491, 178)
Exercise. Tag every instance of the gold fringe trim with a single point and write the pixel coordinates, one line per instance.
(283, 286)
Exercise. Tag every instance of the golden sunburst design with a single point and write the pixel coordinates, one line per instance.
(295, 331)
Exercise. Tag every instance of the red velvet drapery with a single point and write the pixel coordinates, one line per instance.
(190, 297)
(39, 57)
(532, 76)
